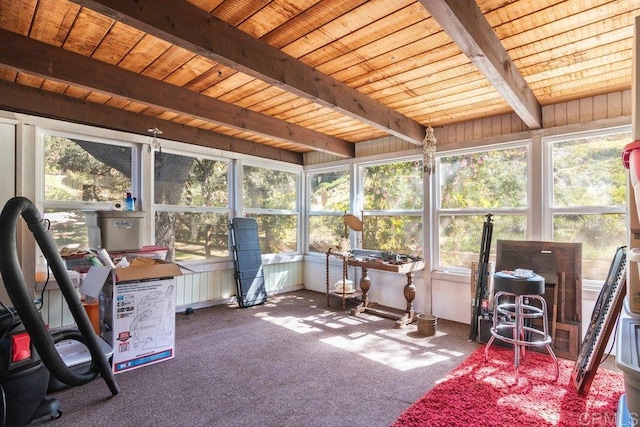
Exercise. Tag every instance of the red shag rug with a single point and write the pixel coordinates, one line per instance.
(479, 393)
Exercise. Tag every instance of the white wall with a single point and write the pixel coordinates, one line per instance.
(7, 175)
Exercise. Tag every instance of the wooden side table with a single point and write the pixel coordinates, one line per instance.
(345, 275)
(409, 290)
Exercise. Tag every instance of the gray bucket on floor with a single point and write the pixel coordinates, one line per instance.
(427, 324)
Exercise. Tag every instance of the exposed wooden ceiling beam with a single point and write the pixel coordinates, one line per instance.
(34, 57)
(465, 24)
(194, 29)
(24, 99)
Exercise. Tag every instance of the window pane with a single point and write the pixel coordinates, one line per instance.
(398, 233)
(68, 227)
(461, 236)
(394, 186)
(188, 181)
(589, 172)
(600, 236)
(77, 170)
(329, 191)
(193, 235)
(277, 233)
(325, 232)
(488, 179)
(269, 189)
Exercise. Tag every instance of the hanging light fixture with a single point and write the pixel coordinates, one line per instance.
(155, 144)
(429, 150)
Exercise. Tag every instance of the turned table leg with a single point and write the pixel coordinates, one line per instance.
(365, 284)
(409, 295)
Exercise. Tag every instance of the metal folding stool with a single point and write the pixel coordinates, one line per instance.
(514, 311)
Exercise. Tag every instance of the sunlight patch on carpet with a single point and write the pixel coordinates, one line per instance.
(451, 352)
(386, 351)
(292, 323)
(411, 338)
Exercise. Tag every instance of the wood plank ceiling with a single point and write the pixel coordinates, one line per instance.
(278, 78)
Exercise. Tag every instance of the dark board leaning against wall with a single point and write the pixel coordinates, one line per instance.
(561, 266)
(247, 259)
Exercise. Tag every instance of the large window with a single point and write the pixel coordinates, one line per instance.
(393, 203)
(82, 175)
(191, 197)
(472, 184)
(329, 196)
(588, 196)
(271, 197)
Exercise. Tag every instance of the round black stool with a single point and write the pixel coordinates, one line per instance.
(513, 310)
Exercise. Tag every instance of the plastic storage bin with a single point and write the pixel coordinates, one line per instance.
(627, 354)
(115, 230)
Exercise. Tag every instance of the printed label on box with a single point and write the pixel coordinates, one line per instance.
(143, 323)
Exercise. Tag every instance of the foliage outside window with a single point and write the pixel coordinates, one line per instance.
(393, 204)
(191, 197)
(329, 196)
(81, 175)
(589, 196)
(471, 185)
(271, 197)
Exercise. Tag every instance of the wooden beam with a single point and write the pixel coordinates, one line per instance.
(191, 28)
(49, 62)
(464, 22)
(24, 99)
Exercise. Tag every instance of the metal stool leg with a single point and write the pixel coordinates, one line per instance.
(522, 334)
(518, 334)
(494, 327)
(545, 328)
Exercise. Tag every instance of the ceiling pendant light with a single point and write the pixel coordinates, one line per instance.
(155, 144)
(429, 149)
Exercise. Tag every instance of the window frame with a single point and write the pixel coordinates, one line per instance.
(136, 149)
(438, 211)
(136, 171)
(308, 176)
(547, 162)
(550, 211)
(242, 211)
(228, 210)
(358, 195)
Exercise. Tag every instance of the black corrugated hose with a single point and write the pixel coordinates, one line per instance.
(23, 302)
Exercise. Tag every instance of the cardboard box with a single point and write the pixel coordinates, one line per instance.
(159, 269)
(151, 251)
(137, 311)
(96, 277)
(140, 322)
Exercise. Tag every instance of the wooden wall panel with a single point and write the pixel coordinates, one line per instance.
(317, 157)
(283, 276)
(614, 104)
(600, 107)
(600, 110)
(459, 135)
(626, 103)
(385, 145)
(55, 310)
(197, 289)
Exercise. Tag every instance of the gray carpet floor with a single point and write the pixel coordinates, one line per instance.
(293, 361)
